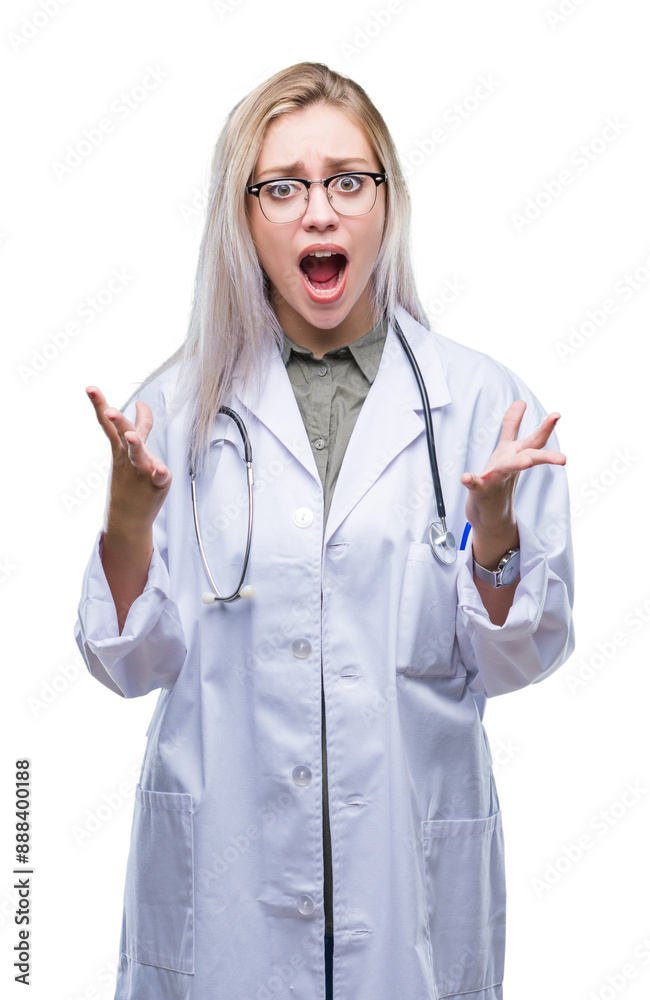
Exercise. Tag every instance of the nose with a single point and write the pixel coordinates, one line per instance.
(319, 213)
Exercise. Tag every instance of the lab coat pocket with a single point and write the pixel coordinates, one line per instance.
(466, 901)
(426, 624)
(159, 894)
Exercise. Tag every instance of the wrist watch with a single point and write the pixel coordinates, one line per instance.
(506, 572)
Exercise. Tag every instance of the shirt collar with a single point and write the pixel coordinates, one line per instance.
(366, 351)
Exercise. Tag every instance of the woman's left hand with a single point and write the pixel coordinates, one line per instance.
(490, 500)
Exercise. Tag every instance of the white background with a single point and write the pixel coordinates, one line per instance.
(563, 751)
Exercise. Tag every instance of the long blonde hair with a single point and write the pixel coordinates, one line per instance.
(232, 322)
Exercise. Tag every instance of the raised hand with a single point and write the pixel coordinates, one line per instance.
(140, 481)
(490, 500)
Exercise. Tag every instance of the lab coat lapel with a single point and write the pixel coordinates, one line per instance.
(391, 416)
(277, 408)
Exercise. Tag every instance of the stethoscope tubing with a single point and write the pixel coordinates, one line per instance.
(443, 544)
(431, 447)
(248, 460)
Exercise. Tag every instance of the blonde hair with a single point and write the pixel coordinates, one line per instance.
(232, 322)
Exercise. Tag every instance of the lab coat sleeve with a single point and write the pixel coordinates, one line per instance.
(537, 636)
(151, 649)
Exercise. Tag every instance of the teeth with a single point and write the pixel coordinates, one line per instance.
(320, 253)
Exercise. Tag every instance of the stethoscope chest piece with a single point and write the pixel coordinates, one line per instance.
(443, 543)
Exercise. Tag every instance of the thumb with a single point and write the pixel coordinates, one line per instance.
(160, 477)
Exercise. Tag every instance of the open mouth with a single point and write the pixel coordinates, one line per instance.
(324, 272)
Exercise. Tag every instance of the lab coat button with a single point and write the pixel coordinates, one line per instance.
(301, 775)
(303, 517)
(305, 905)
(301, 648)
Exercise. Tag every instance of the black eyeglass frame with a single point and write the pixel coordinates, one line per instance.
(377, 178)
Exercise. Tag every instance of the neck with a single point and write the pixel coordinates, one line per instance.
(319, 340)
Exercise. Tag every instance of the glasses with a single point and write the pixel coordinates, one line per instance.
(285, 199)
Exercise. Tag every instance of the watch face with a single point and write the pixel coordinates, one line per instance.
(510, 571)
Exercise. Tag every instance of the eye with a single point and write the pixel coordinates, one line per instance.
(281, 190)
(349, 183)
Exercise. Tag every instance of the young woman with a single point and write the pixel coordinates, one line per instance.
(316, 813)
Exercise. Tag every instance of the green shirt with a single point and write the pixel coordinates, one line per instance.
(330, 392)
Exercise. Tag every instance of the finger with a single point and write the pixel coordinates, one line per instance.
(119, 422)
(541, 434)
(541, 456)
(141, 458)
(143, 419)
(512, 420)
(99, 403)
(520, 460)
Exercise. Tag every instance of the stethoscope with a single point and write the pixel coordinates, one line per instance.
(441, 540)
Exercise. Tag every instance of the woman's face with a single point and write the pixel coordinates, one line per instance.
(305, 144)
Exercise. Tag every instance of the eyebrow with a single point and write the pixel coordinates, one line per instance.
(291, 169)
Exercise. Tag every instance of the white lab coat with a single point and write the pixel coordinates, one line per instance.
(224, 886)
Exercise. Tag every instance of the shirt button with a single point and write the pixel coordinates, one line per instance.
(343, 353)
(305, 905)
(301, 648)
(301, 775)
(303, 517)
(323, 370)
(319, 443)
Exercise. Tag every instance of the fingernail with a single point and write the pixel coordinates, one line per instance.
(91, 394)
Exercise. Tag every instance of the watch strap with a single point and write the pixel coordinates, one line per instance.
(506, 572)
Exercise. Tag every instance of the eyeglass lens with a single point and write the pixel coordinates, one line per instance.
(286, 200)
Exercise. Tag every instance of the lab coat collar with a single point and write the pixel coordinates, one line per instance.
(390, 418)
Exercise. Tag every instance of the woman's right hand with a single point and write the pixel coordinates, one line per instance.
(140, 482)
